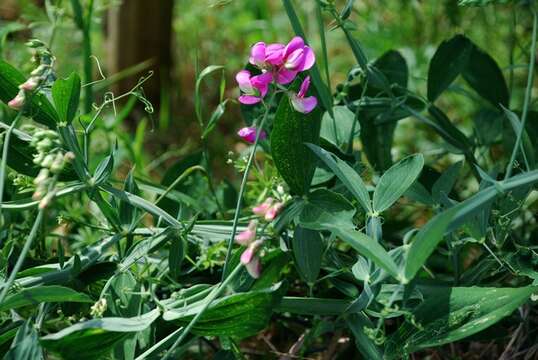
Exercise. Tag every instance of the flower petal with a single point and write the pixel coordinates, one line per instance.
(285, 76)
(243, 79)
(304, 87)
(249, 99)
(295, 43)
(295, 60)
(247, 255)
(274, 53)
(261, 82)
(254, 267)
(309, 58)
(303, 105)
(257, 54)
(262, 208)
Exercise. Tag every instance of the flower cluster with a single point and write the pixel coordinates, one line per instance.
(279, 64)
(52, 159)
(42, 74)
(268, 210)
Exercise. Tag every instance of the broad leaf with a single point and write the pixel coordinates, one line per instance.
(347, 175)
(396, 180)
(425, 242)
(66, 96)
(94, 339)
(238, 315)
(484, 75)
(291, 130)
(307, 248)
(447, 63)
(451, 314)
(34, 296)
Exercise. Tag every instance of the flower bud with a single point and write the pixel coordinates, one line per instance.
(18, 101)
(29, 84)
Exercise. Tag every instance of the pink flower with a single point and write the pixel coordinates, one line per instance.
(254, 267)
(249, 254)
(253, 88)
(249, 134)
(262, 208)
(273, 211)
(297, 57)
(17, 102)
(300, 102)
(29, 84)
(265, 56)
(246, 237)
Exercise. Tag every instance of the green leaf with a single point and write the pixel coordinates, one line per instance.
(307, 248)
(425, 242)
(396, 180)
(449, 60)
(25, 345)
(369, 350)
(41, 110)
(347, 175)
(484, 75)
(34, 296)
(446, 181)
(483, 2)
(176, 255)
(369, 248)
(238, 315)
(451, 314)
(312, 306)
(291, 130)
(66, 96)
(93, 339)
(338, 129)
(326, 210)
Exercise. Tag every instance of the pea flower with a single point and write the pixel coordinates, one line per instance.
(300, 102)
(254, 88)
(265, 56)
(249, 134)
(17, 102)
(273, 211)
(262, 208)
(249, 257)
(296, 57)
(246, 237)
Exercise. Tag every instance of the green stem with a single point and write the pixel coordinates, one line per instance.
(528, 92)
(87, 48)
(22, 256)
(4, 158)
(212, 296)
(243, 185)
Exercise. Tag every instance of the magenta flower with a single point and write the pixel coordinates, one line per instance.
(253, 88)
(265, 56)
(249, 134)
(246, 237)
(300, 102)
(262, 208)
(297, 57)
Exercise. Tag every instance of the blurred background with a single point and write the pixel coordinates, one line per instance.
(176, 39)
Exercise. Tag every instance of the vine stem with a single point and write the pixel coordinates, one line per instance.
(528, 93)
(208, 300)
(4, 159)
(22, 256)
(243, 185)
